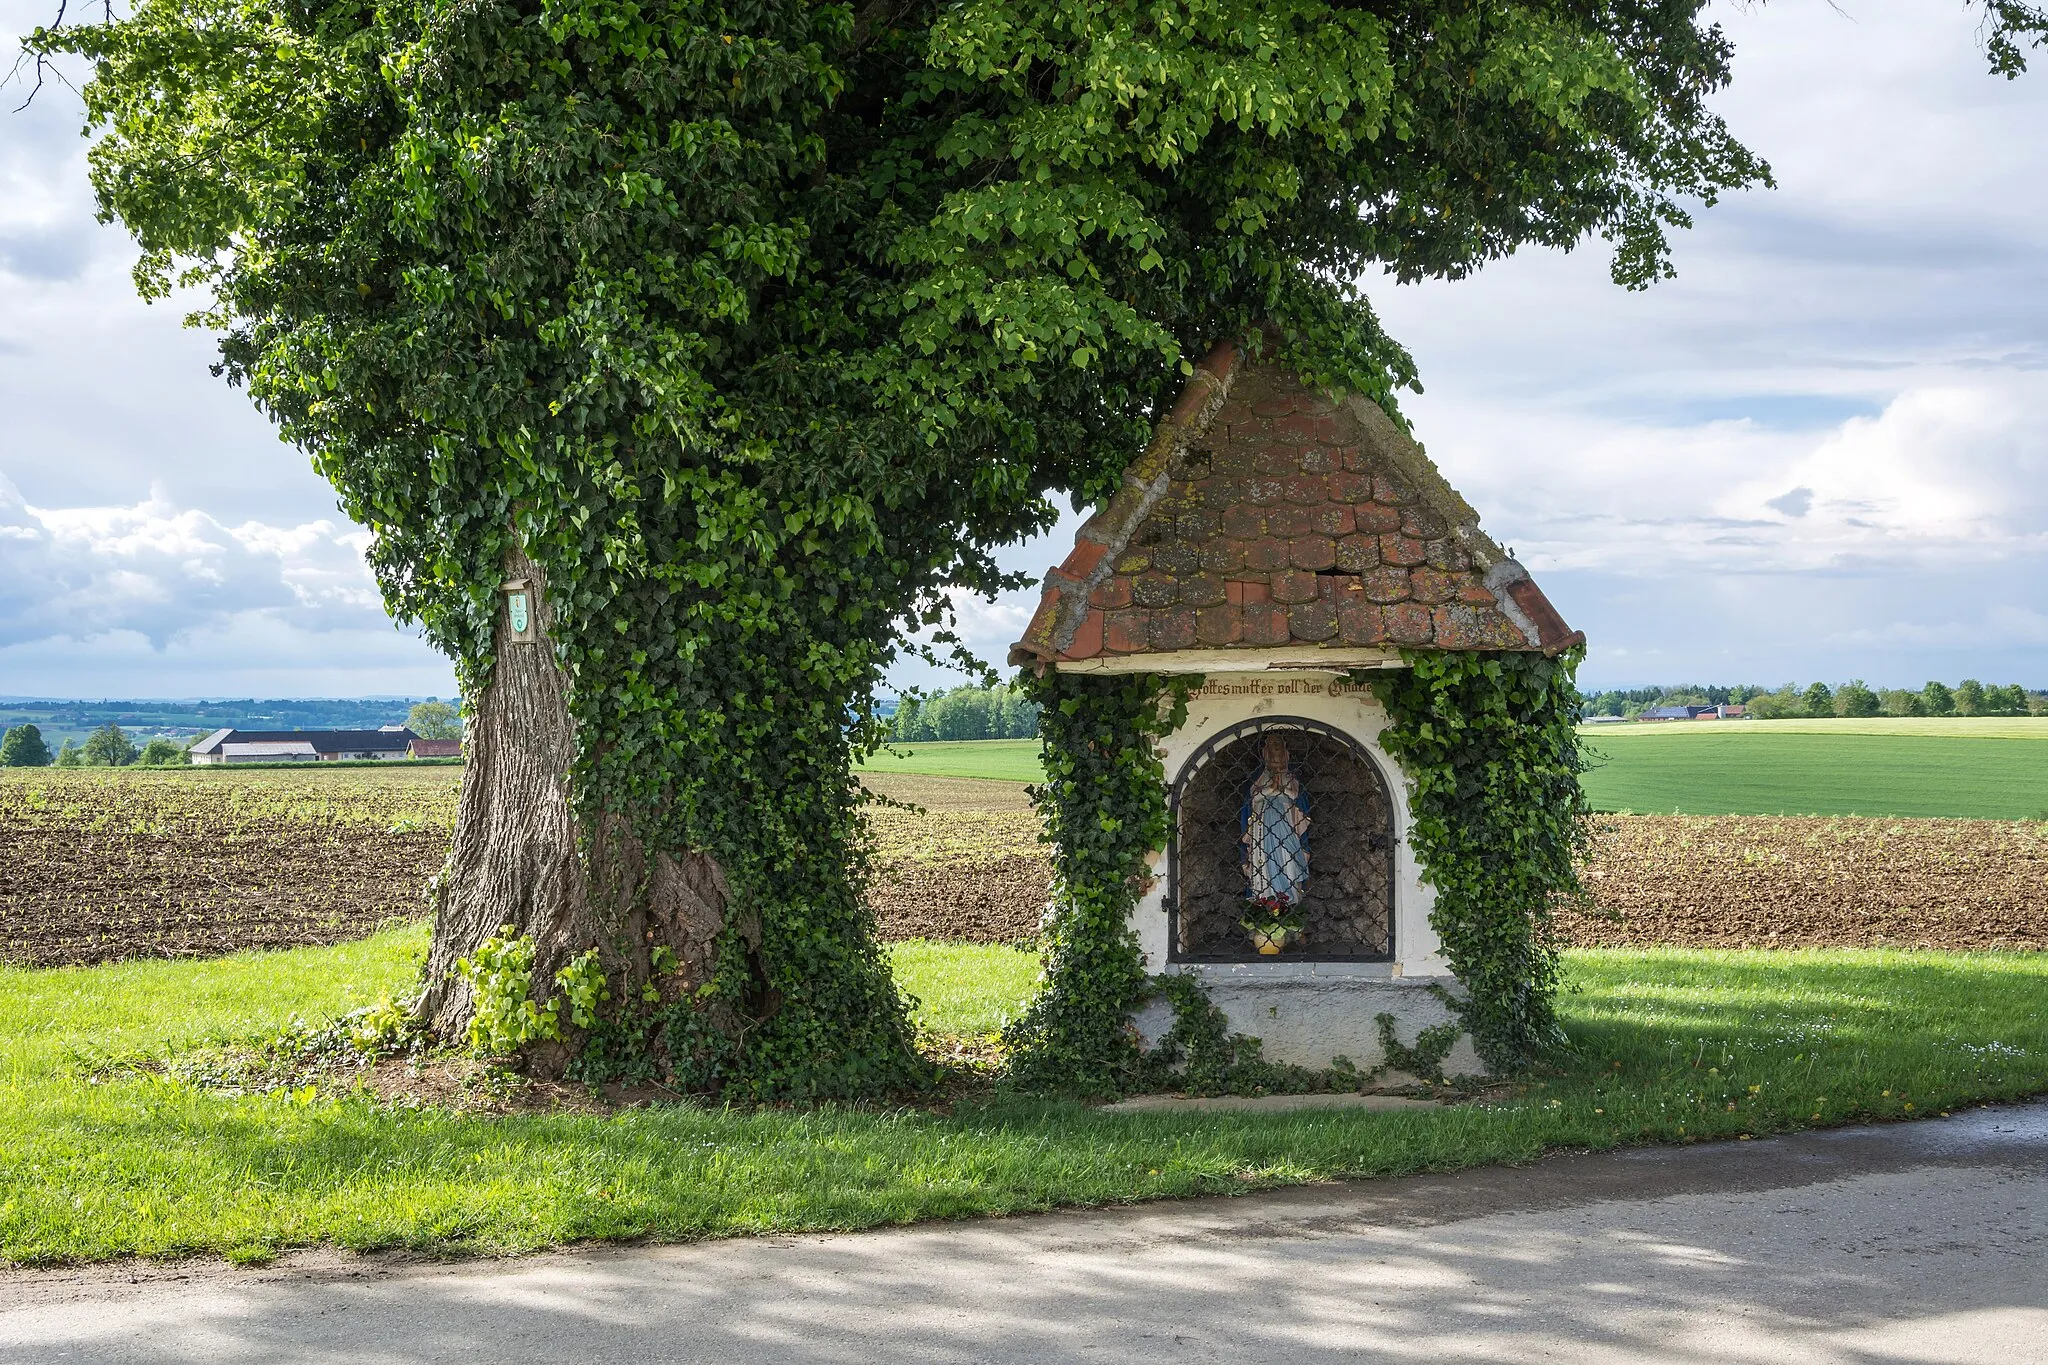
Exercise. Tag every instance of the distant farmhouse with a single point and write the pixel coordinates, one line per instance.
(1723, 712)
(436, 748)
(314, 746)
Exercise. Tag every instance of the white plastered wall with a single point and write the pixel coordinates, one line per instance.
(1226, 699)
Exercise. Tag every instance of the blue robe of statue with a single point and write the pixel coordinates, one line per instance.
(1274, 822)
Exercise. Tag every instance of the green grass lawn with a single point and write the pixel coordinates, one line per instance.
(965, 989)
(1671, 1046)
(1984, 769)
(1012, 760)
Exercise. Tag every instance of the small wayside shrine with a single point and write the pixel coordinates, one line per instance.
(1277, 541)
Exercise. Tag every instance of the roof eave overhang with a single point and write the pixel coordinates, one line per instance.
(1278, 659)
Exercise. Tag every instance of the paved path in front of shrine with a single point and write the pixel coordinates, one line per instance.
(1923, 1242)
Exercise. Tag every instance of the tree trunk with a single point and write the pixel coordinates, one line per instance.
(522, 857)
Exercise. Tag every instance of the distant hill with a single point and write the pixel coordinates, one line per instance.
(62, 719)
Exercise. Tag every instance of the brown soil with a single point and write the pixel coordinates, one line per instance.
(71, 896)
(998, 900)
(101, 866)
(1813, 882)
(97, 869)
(949, 793)
(475, 1086)
(969, 867)
(1676, 881)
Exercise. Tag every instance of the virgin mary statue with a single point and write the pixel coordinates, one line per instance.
(1276, 829)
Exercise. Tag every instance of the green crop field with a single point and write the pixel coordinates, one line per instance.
(1994, 769)
(1928, 727)
(1990, 768)
(1012, 760)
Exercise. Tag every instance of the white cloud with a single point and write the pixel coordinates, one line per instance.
(161, 571)
(1953, 475)
(1823, 449)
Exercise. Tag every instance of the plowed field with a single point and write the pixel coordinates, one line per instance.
(98, 866)
(1680, 881)
(1807, 882)
(967, 866)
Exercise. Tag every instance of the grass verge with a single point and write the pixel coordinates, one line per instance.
(1670, 1046)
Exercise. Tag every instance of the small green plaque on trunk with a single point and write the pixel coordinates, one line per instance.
(521, 612)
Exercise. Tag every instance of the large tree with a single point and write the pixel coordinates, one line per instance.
(434, 720)
(23, 747)
(109, 747)
(738, 334)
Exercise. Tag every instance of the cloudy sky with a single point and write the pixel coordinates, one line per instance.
(1822, 451)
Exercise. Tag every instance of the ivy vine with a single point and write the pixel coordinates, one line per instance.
(1489, 747)
(1103, 803)
(500, 976)
(1488, 744)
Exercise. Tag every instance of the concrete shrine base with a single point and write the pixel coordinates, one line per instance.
(1306, 1013)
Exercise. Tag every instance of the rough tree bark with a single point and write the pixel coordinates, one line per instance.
(522, 857)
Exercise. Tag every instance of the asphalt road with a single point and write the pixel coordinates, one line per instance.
(1923, 1242)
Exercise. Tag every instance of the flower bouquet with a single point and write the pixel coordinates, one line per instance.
(1271, 921)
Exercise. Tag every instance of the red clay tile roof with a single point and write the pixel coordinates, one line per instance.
(1265, 513)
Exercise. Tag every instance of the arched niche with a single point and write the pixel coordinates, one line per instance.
(1347, 897)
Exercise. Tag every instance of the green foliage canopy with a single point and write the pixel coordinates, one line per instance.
(1856, 699)
(774, 300)
(23, 747)
(162, 753)
(108, 747)
(434, 720)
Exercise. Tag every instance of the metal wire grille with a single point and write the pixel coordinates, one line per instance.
(1288, 810)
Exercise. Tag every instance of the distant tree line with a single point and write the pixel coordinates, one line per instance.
(287, 713)
(1853, 698)
(107, 747)
(966, 713)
